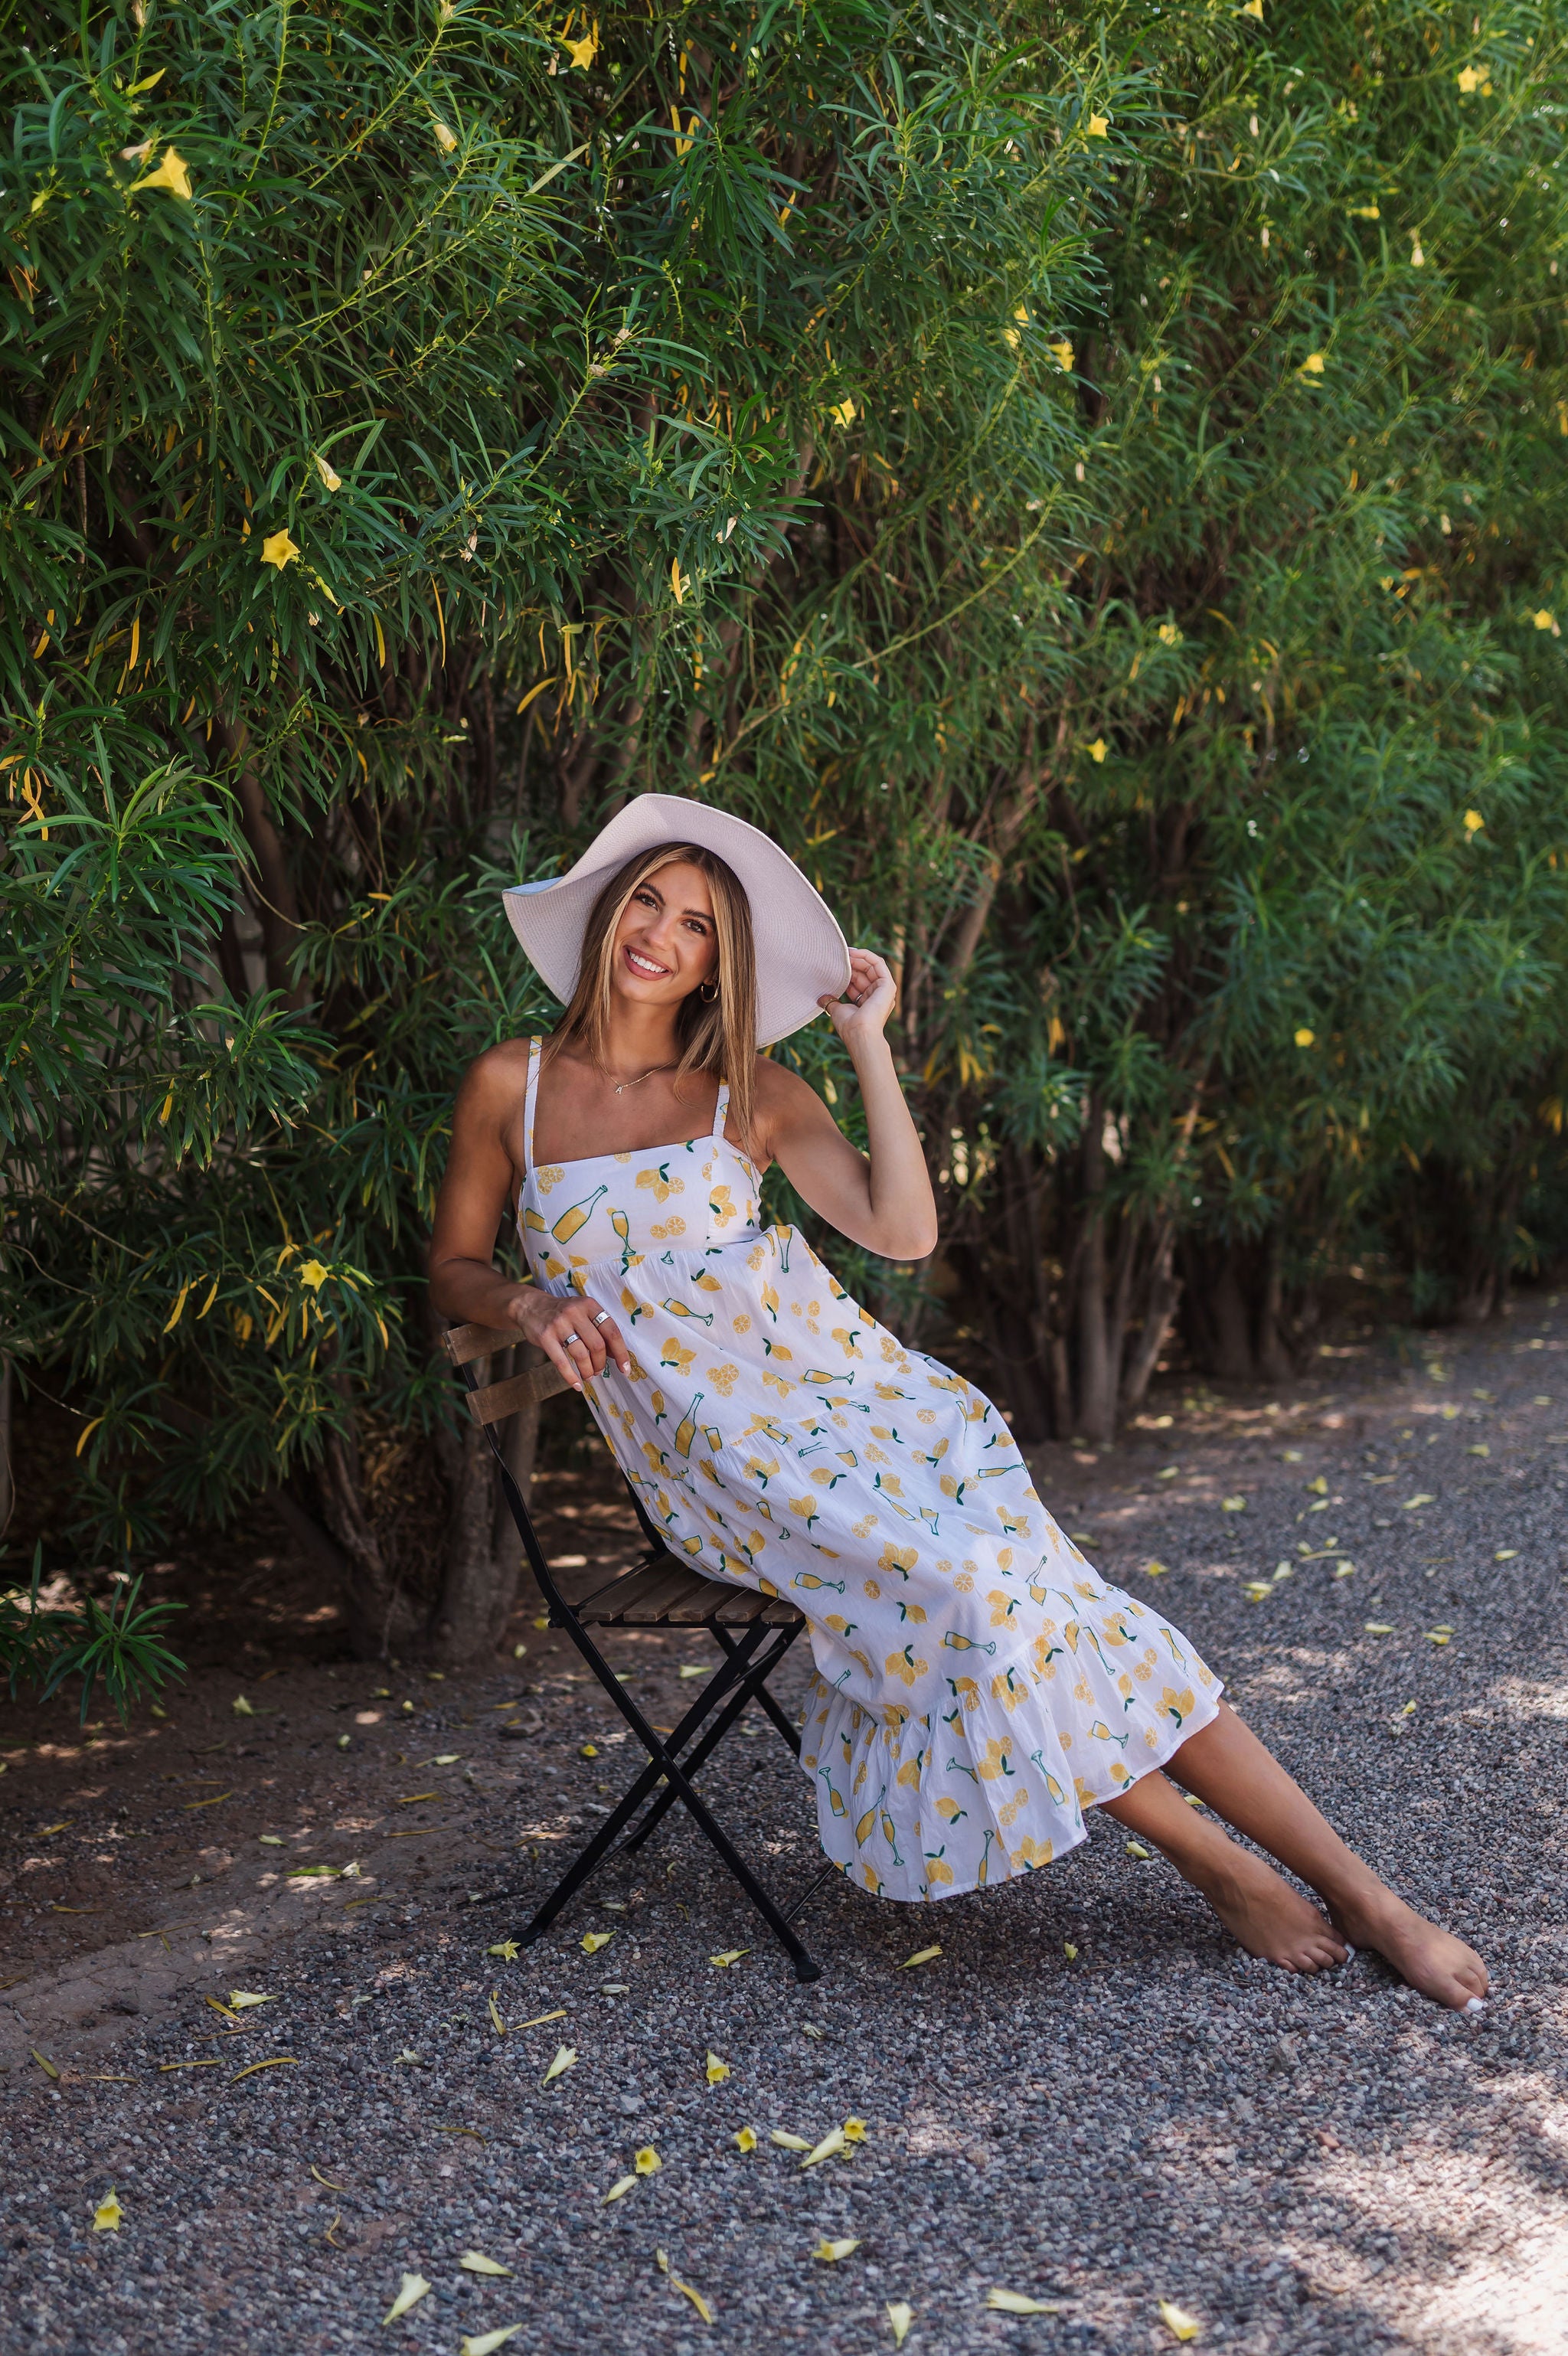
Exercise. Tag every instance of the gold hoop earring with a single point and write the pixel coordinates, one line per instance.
(707, 992)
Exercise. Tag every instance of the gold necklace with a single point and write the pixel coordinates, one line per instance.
(621, 1087)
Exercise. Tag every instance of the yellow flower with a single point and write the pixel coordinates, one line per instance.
(843, 412)
(1474, 821)
(1468, 80)
(1168, 634)
(278, 549)
(1062, 354)
(1303, 1037)
(171, 174)
(1312, 365)
(1252, 8)
(1099, 126)
(1543, 620)
(313, 1274)
(583, 52)
(445, 137)
(331, 480)
(1098, 749)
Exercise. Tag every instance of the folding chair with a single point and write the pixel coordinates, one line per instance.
(659, 1591)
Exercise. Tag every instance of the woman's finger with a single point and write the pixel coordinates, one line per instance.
(585, 1347)
(609, 1333)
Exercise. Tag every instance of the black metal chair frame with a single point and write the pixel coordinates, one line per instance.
(759, 1633)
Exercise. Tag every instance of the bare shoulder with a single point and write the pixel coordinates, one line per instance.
(784, 1101)
(493, 1083)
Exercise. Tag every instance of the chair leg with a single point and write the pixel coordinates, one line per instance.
(769, 1703)
(749, 1689)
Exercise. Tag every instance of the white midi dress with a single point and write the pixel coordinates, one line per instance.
(978, 1686)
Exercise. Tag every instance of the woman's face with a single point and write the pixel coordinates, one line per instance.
(667, 941)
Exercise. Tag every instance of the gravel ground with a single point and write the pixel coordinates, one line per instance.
(1302, 2165)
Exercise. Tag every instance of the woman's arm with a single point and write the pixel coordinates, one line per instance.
(885, 1202)
(464, 1283)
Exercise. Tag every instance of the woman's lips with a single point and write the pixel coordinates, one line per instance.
(644, 968)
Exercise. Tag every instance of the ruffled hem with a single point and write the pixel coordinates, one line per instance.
(884, 1824)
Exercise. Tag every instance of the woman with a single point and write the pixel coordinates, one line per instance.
(978, 1686)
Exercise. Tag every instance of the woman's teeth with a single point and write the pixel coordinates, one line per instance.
(646, 965)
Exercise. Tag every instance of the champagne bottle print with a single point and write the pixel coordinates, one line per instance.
(569, 1221)
(686, 1430)
(618, 1221)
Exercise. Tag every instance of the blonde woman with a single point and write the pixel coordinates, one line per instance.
(977, 1687)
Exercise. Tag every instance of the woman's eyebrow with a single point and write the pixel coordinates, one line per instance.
(705, 914)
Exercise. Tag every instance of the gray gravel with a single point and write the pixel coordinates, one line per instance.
(1309, 2165)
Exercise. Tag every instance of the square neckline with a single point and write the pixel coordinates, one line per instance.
(714, 1134)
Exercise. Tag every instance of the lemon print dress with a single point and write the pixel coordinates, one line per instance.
(977, 1686)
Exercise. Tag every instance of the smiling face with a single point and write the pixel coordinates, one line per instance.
(667, 940)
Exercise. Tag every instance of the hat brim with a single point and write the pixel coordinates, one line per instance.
(801, 955)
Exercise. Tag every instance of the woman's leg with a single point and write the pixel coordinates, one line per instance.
(1228, 1769)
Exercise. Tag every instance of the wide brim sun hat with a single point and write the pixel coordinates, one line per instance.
(802, 955)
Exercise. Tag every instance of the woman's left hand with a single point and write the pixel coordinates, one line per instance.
(862, 1013)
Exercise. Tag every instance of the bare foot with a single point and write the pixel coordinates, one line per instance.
(1269, 1918)
(1433, 1961)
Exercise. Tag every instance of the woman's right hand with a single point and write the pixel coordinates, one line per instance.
(562, 1326)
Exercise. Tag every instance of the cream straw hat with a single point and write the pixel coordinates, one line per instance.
(801, 953)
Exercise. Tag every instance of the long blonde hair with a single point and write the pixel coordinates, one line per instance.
(717, 1035)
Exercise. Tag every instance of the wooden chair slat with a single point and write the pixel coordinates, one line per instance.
(462, 1343)
(741, 1607)
(780, 1615)
(604, 1604)
(492, 1402)
(653, 1610)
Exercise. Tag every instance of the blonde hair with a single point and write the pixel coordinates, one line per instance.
(717, 1035)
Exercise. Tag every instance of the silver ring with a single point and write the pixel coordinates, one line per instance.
(602, 1318)
(575, 1342)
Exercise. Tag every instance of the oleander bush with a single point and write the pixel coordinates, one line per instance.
(1093, 485)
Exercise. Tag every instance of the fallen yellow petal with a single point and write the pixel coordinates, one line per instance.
(854, 2130)
(486, 2343)
(619, 2190)
(646, 2162)
(1014, 2302)
(1378, 1627)
(276, 549)
(496, 2023)
(240, 1997)
(832, 2141)
(475, 2261)
(1177, 2321)
(717, 2071)
(730, 1955)
(920, 1956)
(831, 2252)
(226, 2010)
(1420, 1498)
(1155, 1569)
(1439, 1636)
(1070, 1951)
(590, 1751)
(746, 2138)
(277, 2061)
(506, 1948)
(106, 2216)
(788, 2142)
(171, 174)
(240, 1706)
(1136, 1849)
(539, 2019)
(594, 1940)
(694, 1669)
(45, 2064)
(900, 2314)
(414, 2289)
(1233, 1504)
(565, 2056)
(1505, 1553)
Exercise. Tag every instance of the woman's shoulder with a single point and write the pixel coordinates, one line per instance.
(499, 1075)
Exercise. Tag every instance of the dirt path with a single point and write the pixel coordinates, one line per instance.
(1303, 2166)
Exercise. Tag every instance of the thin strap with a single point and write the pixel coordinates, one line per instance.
(530, 1100)
(721, 1109)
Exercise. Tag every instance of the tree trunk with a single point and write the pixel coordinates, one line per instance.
(1164, 1293)
(480, 1584)
(1096, 1417)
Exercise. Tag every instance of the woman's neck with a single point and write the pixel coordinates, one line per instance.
(641, 1039)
